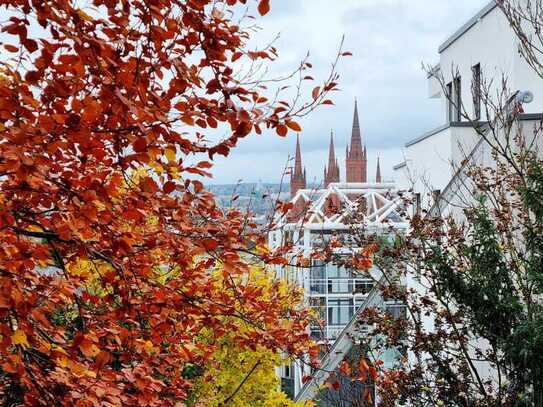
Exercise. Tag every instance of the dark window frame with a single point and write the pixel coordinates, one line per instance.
(418, 203)
(477, 91)
(450, 107)
(458, 98)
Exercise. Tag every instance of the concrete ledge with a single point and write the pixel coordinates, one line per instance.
(398, 166)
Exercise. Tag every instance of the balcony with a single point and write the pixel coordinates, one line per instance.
(332, 286)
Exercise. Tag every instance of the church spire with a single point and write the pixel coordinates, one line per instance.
(378, 174)
(355, 135)
(356, 161)
(331, 173)
(297, 178)
(331, 152)
(298, 159)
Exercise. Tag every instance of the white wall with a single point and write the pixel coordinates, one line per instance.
(427, 166)
(493, 44)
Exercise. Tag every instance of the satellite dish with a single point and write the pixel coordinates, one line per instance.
(525, 96)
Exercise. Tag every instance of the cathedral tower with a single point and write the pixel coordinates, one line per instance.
(297, 177)
(356, 160)
(331, 173)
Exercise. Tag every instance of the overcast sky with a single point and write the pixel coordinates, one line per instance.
(389, 39)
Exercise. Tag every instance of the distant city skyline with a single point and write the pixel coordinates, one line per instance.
(390, 40)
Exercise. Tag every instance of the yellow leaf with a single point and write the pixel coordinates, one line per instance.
(62, 361)
(170, 154)
(84, 16)
(19, 338)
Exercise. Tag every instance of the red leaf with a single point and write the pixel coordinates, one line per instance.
(168, 187)
(210, 244)
(316, 92)
(101, 359)
(282, 130)
(140, 145)
(306, 378)
(30, 45)
(264, 7)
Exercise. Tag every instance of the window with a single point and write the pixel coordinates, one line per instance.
(317, 272)
(317, 279)
(417, 204)
(287, 373)
(477, 91)
(396, 311)
(363, 287)
(339, 279)
(450, 106)
(337, 286)
(335, 271)
(458, 99)
(340, 311)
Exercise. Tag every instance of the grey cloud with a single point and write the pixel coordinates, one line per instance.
(389, 39)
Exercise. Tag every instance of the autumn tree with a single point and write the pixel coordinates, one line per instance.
(91, 93)
(237, 376)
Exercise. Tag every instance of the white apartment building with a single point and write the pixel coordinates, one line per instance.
(482, 54)
(334, 292)
(479, 55)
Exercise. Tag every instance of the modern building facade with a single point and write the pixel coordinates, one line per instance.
(473, 62)
(481, 80)
(318, 215)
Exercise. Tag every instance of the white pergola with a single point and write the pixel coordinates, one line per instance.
(381, 200)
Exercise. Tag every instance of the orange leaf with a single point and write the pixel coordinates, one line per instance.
(367, 395)
(11, 48)
(345, 369)
(294, 126)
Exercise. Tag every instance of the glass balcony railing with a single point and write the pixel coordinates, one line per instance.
(323, 286)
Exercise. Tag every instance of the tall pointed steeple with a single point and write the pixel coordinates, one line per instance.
(331, 172)
(297, 178)
(378, 174)
(356, 160)
(355, 135)
(298, 158)
(331, 151)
